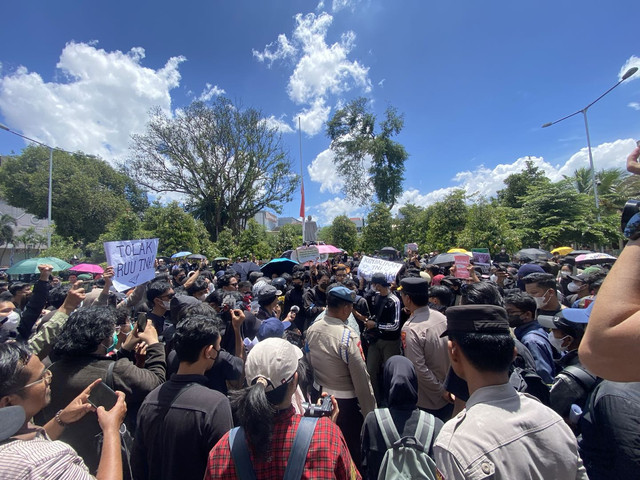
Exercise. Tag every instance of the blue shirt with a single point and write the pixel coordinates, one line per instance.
(534, 337)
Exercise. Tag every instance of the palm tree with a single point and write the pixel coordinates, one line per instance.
(614, 186)
(7, 222)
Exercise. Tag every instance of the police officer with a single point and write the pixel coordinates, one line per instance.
(502, 434)
(335, 353)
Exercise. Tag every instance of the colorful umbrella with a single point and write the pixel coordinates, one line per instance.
(180, 254)
(595, 258)
(562, 250)
(87, 268)
(457, 250)
(30, 265)
(328, 249)
(278, 266)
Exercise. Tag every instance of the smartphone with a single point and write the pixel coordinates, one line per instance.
(142, 321)
(102, 396)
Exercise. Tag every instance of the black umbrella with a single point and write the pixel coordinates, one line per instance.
(197, 256)
(443, 259)
(533, 254)
(244, 269)
(278, 266)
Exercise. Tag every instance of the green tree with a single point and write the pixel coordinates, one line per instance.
(7, 222)
(411, 226)
(354, 142)
(253, 240)
(226, 161)
(30, 239)
(447, 219)
(377, 232)
(177, 230)
(325, 234)
(226, 244)
(487, 226)
(344, 233)
(518, 185)
(87, 192)
(64, 248)
(288, 237)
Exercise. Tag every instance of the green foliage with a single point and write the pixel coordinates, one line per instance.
(518, 185)
(254, 241)
(225, 160)
(377, 232)
(411, 226)
(226, 245)
(344, 233)
(177, 230)
(31, 241)
(64, 248)
(487, 226)
(87, 192)
(325, 234)
(288, 237)
(353, 141)
(7, 224)
(447, 219)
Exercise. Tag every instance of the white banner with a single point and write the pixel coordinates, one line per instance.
(306, 254)
(133, 261)
(369, 265)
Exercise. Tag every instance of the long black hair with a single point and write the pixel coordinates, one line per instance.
(254, 410)
(85, 330)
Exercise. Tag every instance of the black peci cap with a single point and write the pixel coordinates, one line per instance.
(476, 319)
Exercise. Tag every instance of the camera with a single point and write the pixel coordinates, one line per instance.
(323, 410)
(632, 231)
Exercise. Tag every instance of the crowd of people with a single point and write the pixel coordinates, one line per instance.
(489, 363)
(525, 370)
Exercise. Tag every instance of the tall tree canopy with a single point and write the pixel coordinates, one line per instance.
(226, 161)
(87, 192)
(355, 142)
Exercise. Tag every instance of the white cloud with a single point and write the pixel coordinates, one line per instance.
(327, 211)
(632, 62)
(279, 124)
(487, 181)
(103, 98)
(634, 105)
(283, 49)
(338, 5)
(321, 69)
(323, 171)
(312, 119)
(209, 92)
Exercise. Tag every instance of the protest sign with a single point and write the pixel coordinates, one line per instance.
(306, 254)
(133, 261)
(482, 258)
(461, 262)
(410, 246)
(369, 265)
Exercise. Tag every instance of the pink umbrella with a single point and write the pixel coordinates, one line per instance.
(328, 249)
(87, 268)
(596, 257)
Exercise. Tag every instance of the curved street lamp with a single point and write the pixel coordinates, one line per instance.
(626, 75)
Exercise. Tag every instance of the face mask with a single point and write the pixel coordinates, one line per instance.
(539, 301)
(297, 287)
(113, 343)
(166, 304)
(493, 278)
(573, 287)
(557, 342)
(211, 287)
(564, 273)
(515, 321)
(11, 321)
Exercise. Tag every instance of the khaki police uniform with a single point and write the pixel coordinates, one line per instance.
(428, 352)
(506, 435)
(339, 368)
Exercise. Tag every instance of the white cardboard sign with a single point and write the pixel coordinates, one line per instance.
(133, 261)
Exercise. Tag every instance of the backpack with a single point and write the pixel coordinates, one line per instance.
(526, 380)
(406, 457)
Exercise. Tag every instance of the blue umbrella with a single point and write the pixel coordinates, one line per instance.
(278, 266)
(180, 254)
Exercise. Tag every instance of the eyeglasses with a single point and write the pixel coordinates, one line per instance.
(168, 296)
(45, 377)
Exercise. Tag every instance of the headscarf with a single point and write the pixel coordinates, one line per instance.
(400, 383)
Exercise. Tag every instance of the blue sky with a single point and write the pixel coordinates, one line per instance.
(474, 80)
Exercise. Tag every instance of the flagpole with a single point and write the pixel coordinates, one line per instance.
(302, 205)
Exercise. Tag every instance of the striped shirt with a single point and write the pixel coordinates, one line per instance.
(41, 458)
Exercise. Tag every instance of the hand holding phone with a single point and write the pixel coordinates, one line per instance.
(141, 321)
(102, 396)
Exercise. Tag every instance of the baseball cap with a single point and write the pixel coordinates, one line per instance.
(566, 317)
(11, 419)
(272, 328)
(267, 292)
(273, 359)
(343, 293)
(583, 277)
(476, 319)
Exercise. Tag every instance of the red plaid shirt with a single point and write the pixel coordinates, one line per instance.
(328, 455)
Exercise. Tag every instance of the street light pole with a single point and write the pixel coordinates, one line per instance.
(626, 75)
(4, 127)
